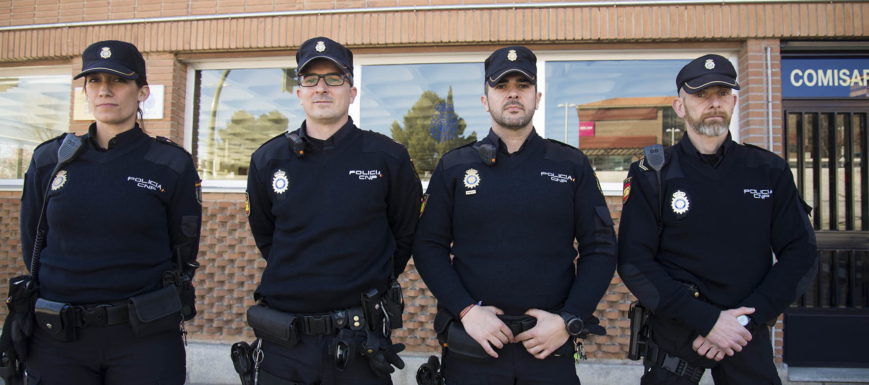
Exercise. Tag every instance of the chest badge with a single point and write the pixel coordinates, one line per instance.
(59, 180)
(680, 202)
(471, 180)
(280, 182)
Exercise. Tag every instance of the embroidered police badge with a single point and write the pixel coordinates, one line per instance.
(106, 53)
(59, 180)
(321, 46)
(280, 182)
(680, 202)
(472, 178)
(511, 55)
(626, 190)
(422, 206)
(198, 186)
(246, 204)
(709, 64)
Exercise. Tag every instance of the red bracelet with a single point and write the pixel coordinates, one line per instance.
(467, 309)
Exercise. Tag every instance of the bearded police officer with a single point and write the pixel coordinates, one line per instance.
(698, 237)
(333, 210)
(509, 208)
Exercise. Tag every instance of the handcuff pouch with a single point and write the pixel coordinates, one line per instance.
(56, 318)
(155, 312)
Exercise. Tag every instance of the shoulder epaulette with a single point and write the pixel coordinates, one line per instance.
(455, 156)
(52, 140)
(388, 137)
(754, 146)
(562, 143)
(278, 136)
(165, 140)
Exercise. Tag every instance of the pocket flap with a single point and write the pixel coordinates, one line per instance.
(604, 214)
(156, 304)
(461, 343)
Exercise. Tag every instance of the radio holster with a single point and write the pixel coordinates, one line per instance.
(55, 318)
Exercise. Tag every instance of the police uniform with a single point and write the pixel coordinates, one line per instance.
(116, 219)
(511, 226)
(333, 222)
(722, 218)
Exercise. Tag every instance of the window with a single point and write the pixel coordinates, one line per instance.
(236, 111)
(611, 109)
(430, 108)
(34, 107)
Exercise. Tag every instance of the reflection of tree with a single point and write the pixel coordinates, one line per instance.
(243, 134)
(417, 133)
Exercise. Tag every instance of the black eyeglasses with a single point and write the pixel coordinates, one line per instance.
(311, 80)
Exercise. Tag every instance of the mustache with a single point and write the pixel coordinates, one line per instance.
(720, 113)
(513, 102)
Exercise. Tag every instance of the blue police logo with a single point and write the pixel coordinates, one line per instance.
(444, 123)
(280, 183)
(472, 178)
(680, 202)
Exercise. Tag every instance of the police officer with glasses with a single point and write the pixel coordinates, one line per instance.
(110, 225)
(333, 209)
(514, 298)
(714, 240)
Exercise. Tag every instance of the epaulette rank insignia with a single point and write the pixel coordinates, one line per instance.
(642, 164)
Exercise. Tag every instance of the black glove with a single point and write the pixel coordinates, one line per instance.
(382, 354)
(592, 326)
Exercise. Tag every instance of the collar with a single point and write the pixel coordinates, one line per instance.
(502, 147)
(335, 138)
(118, 140)
(691, 152)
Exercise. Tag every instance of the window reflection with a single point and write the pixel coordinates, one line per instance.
(236, 111)
(620, 107)
(33, 109)
(430, 108)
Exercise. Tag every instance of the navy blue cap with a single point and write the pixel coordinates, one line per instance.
(324, 48)
(114, 57)
(511, 59)
(706, 71)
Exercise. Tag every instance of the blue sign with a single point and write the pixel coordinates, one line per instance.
(825, 78)
(444, 123)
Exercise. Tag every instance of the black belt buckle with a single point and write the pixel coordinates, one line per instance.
(318, 324)
(674, 364)
(97, 316)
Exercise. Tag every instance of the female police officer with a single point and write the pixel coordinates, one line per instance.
(120, 230)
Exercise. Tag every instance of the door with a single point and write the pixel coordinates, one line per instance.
(826, 147)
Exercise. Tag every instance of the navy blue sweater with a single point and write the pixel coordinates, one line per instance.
(721, 226)
(114, 217)
(329, 223)
(511, 227)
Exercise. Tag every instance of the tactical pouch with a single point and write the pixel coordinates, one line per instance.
(155, 312)
(393, 303)
(273, 325)
(457, 340)
(55, 318)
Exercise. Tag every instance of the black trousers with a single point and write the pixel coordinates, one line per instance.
(309, 363)
(514, 366)
(755, 364)
(107, 356)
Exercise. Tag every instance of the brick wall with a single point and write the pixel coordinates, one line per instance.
(376, 28)
(753, 105)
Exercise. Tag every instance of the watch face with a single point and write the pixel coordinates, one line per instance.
(574, 327)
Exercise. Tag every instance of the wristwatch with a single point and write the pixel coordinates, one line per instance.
(573, 324)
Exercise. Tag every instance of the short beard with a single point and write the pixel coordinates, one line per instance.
(708, 129)
(513, 123)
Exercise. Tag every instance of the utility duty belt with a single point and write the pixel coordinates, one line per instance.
(284, 328)
(452, 335)
(147, 314)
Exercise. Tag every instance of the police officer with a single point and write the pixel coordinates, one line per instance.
(509, 208)
(697, 241)
(117, 221)
(333, 210)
